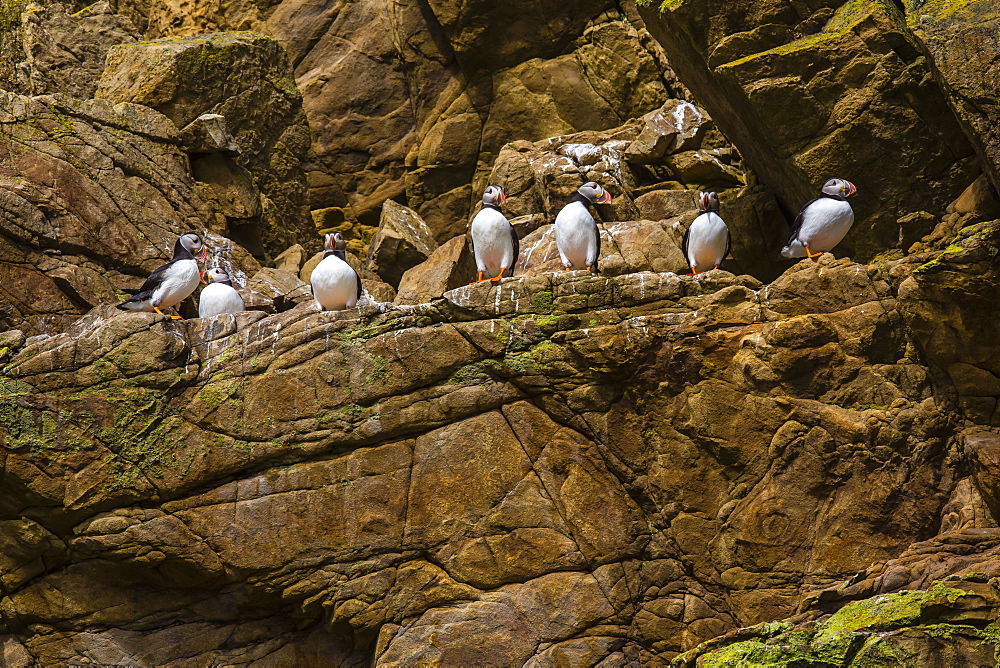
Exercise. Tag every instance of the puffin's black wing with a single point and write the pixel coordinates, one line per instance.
(729, 245)
(597, 260)
(685, 240)
(798, 222)
(516, 243)
(154, 279)
(360, 287)
(146, 291)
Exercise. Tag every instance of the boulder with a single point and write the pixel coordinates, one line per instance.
(448, 267)
(626, 248)
(676, 126)
(246, 78)
(815, 92)
(402, 241)
(276, 290)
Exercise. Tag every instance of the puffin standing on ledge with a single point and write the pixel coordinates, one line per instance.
(335, 284)
(706, 241)
(219, 296)
(823, 222)
(577, 236)
(173, 282)
(493, 239)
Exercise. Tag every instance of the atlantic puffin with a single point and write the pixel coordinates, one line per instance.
(823, 222)
(706, 241)
(173, 282)
(493, 239)
(219, 296)
(335, 284)
(577, 236)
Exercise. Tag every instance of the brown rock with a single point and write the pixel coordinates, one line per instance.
(757, 73)
(402, 241)
(65, 52)
(246, 78)
(448, 267)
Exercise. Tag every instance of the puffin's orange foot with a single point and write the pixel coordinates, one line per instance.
(499, 276)
(809, 253)
(694, 271)
(716, 266)
(175, 317)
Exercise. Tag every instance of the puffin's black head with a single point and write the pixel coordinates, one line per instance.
(839, 188)
(191, 243)
(708, 201)
(216, 275)
(494, 196)
(594, 193)
(335, 245)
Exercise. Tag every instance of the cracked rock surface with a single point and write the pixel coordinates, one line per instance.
(558, 468)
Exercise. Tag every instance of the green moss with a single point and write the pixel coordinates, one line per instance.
(980, 232)
(380, 370)
(141, 439)
(890, 611)
(991, 635)
(542, 302)
(847, 17)
(469, 374)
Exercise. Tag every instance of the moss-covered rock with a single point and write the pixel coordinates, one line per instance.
(842, 89)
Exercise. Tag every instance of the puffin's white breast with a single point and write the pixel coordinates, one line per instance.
(491, 242)
(576, 236)
(708, 238)
(334, 284)
(825, 223)
(178, 282)
(219, 298)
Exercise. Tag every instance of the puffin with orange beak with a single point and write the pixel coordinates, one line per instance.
(173, 282)
(577, 236)
(706, 241)
(823, 222)
(493, 239)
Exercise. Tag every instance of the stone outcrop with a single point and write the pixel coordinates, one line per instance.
(246, 79)
(657, 460)
(807, 92)
(413, 101)
(961, 39)
(92, 198)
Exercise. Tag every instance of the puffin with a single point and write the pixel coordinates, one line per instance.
(706, 241)
(823, 222)
(493, 239)
(219, 296)
(577, 236)
(173, 282)
(335, 284)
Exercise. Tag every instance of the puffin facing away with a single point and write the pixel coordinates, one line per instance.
(823, 222)
(335, 284)
(706, 242)
(494, 241)
(577, 236)
(173, 282)
(218, 296)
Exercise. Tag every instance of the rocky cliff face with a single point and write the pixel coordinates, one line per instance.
(780, 464)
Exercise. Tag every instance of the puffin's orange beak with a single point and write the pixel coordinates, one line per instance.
(201, 276)
(852, 188)
(704, 201)
(606, 199)
(203, 255)
(503, 197)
